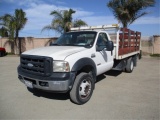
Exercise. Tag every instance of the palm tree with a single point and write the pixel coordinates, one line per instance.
(20, 21)
(127, 11)
(13, 24)
(7, 22)
(62, 21)
(78, 23)
(3, 32)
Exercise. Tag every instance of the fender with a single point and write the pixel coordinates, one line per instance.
(85, 62)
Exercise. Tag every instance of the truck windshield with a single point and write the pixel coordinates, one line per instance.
(82, 38)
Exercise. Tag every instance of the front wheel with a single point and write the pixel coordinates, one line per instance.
(82, 89)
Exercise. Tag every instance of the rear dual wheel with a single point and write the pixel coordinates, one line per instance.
(82, 89)
(130, 65)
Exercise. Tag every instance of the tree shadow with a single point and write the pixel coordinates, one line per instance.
(22, 44)
(11, 44)
(49, 95)
(50, 41)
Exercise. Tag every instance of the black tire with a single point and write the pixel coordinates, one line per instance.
(82, 89)
(3, 53)
(30, 89)
(140, 55)
(130, 65)
(0, 53)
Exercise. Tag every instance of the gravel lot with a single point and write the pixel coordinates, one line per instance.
(116, 96)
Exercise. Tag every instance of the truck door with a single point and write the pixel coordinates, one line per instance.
(104, 58)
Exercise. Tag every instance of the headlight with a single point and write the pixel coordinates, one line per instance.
(60, 66)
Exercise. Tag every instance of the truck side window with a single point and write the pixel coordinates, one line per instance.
(102, 40)
(104, 36)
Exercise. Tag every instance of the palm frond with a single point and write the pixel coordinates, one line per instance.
(138, 16)
(47, 27)
(127, 11)
(58, 14)
(78, 23)
(62, 20)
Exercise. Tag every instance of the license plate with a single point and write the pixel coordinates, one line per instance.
(28, 84)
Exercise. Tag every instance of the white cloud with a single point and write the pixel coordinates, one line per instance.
(61, 3)
(26, 2)
(99, 20)
(38, 14)
(22, 2)
(81, 13)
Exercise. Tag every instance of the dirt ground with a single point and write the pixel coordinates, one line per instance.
(118, 95)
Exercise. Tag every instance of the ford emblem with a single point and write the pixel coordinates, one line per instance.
(30, 65)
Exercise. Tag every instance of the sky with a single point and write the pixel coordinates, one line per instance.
(93, 12)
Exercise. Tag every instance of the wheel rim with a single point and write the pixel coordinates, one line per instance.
(85, 89)
(131, 65)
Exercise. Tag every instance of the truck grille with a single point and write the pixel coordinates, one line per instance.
(37, 65)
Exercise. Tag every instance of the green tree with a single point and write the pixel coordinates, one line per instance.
(7, 22)
(3, 32)
(127, 11)
(13, 24)
(78, 23)
(62, 21)
(20, 20)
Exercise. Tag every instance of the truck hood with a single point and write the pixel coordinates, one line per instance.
(56, 52)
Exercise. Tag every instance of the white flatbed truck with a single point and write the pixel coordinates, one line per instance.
(73, 61)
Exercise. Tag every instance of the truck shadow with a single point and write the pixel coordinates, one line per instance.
(66, 96)
(113, 73)
(49, 95)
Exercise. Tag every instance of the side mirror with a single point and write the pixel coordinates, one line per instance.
(110, 45)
